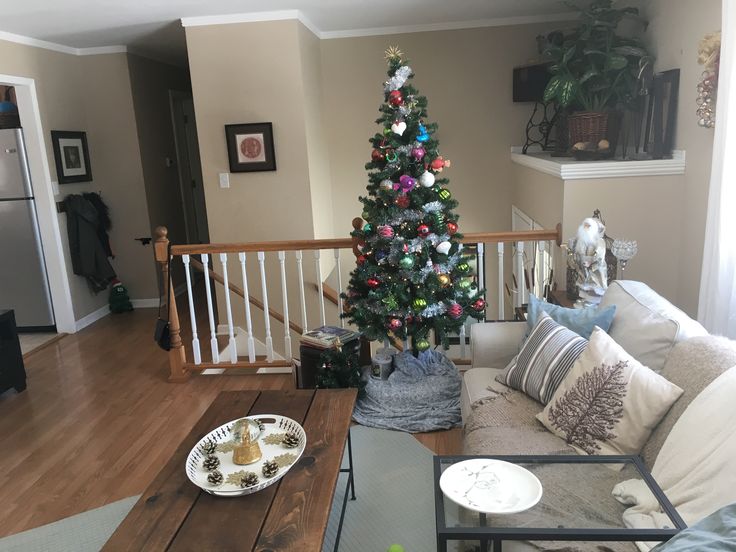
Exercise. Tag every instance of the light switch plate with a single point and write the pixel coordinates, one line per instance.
(224, 180)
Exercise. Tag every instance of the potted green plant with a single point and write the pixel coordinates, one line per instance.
(596, 71)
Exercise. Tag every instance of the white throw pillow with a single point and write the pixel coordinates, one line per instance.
(608, 403)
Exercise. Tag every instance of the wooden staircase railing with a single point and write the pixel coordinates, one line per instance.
(238, 254)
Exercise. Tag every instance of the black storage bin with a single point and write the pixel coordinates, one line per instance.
(12, 371)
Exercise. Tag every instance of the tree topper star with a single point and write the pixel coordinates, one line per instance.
(393, 53)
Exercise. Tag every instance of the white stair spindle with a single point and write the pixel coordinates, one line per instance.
(284, 295)
(302, 301)
(339, 289)
(228, 308)
(195, 340)
(541, 276)
(318, 270)
(520, 280)
(481, 263)
(266, 315)
(210, 312)
(501, 301)
(462, 341)
(248, 321)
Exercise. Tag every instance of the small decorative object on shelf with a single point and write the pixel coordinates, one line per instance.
(208, 447)
(215, 478)
(211, 463)
(709, 54)
(587, 253)
(291, 440)
(249, 480)
(624, 250)
(270, 468)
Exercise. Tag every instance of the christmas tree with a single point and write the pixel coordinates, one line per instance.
(411, 276)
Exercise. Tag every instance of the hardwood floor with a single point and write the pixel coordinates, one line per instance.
(99, 420)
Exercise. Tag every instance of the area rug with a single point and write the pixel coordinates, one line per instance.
(395, 504)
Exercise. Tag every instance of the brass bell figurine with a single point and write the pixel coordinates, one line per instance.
(247, 451)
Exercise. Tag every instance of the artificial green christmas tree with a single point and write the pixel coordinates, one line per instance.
(411, 276)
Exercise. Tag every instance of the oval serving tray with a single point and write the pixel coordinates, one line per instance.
(274, 425)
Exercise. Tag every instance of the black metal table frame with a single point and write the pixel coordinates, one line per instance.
(350, 485)
(497, 535)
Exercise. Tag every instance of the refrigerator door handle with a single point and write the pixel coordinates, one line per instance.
(24, 167)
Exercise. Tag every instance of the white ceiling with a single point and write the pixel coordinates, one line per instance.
(152, 27)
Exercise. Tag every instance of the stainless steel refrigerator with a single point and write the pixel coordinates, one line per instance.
(24, 283)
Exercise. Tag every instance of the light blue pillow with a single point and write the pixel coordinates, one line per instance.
(581, 321)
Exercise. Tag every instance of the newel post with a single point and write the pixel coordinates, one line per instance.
(177, 357)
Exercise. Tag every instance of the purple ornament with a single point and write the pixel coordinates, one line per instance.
(407, 183)
(418, 153)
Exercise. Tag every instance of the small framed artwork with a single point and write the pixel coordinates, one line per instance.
(71, 156)
(250, 147)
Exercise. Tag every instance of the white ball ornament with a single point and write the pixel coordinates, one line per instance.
(443, 247)
(426, 179)
(387, 184)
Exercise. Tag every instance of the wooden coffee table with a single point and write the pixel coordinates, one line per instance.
(292, 514)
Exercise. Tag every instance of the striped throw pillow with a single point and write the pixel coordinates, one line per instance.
(544, 360)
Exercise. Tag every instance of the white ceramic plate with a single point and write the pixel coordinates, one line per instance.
(491, 486)
(223, 436)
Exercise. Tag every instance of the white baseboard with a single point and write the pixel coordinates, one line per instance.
(91, 318)
(144, 303)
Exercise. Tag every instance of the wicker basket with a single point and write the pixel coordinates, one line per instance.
(587, 126)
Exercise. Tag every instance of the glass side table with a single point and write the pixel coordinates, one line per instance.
(576, 504)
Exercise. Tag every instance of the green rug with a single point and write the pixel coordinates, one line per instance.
(393, 484)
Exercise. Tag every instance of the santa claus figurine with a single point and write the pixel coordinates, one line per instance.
(588, 252)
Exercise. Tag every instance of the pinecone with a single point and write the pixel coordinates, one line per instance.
(291, 440)
(215, 478)
(211, 463)
(270, 468)
(208, 447)
(261, 425)
(249, 480)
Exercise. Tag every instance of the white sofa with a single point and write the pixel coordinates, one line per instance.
(499, 420)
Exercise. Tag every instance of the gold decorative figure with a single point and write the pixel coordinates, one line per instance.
(247, 451)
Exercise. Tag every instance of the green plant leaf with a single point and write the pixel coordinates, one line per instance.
(567, 91)
(568, 54)
(630, 51)
(593, 51)
(616, 62)
(553, 87)
(590, 73)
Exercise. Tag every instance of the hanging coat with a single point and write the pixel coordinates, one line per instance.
(89, 258)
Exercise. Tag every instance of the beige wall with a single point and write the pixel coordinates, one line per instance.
(676, 28)
(151, 82)
(92, 93)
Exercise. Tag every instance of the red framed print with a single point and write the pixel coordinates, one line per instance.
(250, 147)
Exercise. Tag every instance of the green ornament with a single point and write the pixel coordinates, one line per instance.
(444, 194)
(464, 284)
(390, 302)
(463, 267)
(392, 157)
(364, 214)
(419, 304)
(367, 228)
(422, 344)
(406, 262)
(395, 548)
(439, 218)
(387, 131)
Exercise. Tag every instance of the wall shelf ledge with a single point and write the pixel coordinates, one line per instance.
(567, 168)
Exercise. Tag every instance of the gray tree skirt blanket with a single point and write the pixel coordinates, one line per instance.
(422, 394)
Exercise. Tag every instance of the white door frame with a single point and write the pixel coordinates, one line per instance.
(61, 297)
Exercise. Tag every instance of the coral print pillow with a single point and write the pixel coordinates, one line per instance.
(608, 403)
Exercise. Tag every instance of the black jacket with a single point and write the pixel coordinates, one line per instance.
(89, 258)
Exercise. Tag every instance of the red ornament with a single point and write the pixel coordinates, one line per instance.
(405, 248)
(361, 259)
(455, 310)
(478, 304)
(377, 155)
(396, 98)
(451, 228)
(386, 231)
(394, 323)
(402, 201)
(423, 230)
(373, 283)
(438, 164)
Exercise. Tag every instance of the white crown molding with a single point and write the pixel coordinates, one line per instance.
(448, 26)
(253, 17)
(569, 169)
(61, 48)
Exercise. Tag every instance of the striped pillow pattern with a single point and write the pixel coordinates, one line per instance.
(544, 360)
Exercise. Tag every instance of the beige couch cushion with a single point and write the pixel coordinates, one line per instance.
(646, 325)
(692, 365)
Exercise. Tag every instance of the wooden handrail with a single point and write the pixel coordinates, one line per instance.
(239, 291)
(347, 243)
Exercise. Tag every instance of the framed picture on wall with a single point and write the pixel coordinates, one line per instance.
(71, 156)
(250, 147)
